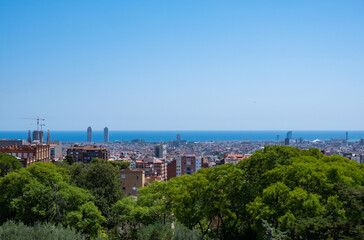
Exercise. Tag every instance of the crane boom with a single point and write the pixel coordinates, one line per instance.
(37, 119)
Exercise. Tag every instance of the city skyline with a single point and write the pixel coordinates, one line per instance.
(185, 65)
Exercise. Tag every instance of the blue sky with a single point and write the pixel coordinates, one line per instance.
(182, 65)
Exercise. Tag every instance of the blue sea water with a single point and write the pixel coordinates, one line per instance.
(153, 136)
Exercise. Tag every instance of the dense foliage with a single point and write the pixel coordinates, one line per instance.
(40, 231)
(278, 193)
(8, 164)
(41, 192)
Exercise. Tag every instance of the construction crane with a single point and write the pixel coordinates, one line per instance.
(37, 119)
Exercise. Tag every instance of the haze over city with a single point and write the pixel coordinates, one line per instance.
(187, 65)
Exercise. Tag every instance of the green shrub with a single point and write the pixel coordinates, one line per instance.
(40, 231)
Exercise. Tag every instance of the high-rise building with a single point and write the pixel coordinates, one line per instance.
(160, 151)
(48, 137)
(89, 134)
(41, 136)
(29, 137)
(178, 137)
(289, 134)
(106, 135)
(347, 136)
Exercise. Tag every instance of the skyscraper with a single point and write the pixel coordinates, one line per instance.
(48, 137)
(89, 134)
(106, 135)
(29, 137)
(41, 136)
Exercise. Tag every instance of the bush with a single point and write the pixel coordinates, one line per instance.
(40, 231)
(182, 233)
(156, 231)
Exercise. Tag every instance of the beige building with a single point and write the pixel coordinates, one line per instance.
(132, 180)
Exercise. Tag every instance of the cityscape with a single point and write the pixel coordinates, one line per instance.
(181, 120)
(161, 161)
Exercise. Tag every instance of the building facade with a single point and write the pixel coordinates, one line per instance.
(160, 151)
(28, 154)
(85, 154)
(55, 150)
(188, 164)
(171, 169)
(131, 181)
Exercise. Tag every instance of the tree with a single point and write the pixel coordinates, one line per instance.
(8, 163)
(40, 193)
(121, 164)
(278, 193)
(102, 179)
(69, 159)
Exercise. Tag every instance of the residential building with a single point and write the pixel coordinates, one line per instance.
(55, 150)
(171, 169)
(132, 180)
(234, 158)
(85, 154)
(160, 169)
(188, 164)
(28, 154)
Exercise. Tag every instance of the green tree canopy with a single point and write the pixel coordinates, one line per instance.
(281, 191)
(40, 192)
(8, 163)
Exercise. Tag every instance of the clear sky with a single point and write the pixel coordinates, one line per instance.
(182, 65)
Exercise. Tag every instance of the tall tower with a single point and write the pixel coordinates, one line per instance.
(89, 134)
(347, 136)
(106, 135)
(29, 137)
(41, 136)
(48, 137)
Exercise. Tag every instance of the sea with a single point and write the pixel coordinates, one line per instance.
(165, 136)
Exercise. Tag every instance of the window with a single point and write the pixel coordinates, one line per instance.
(122, 176)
